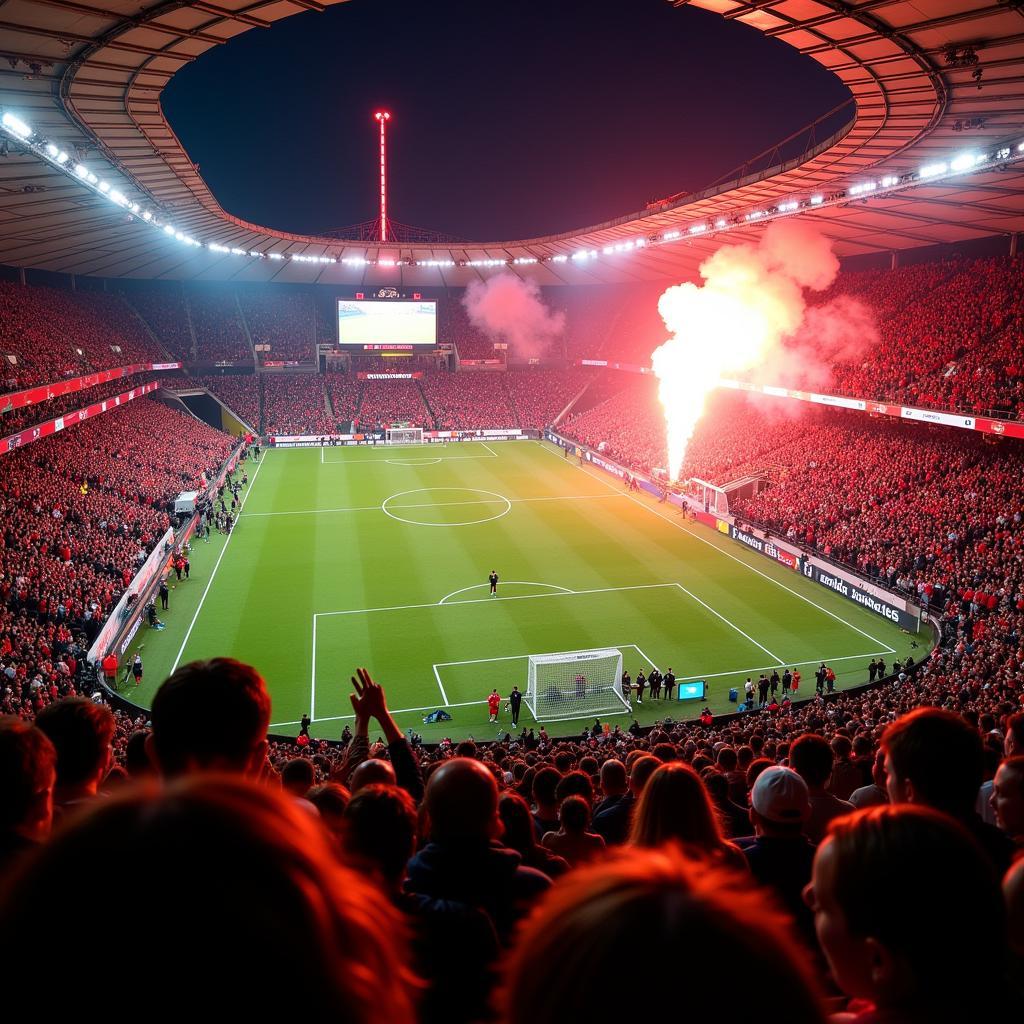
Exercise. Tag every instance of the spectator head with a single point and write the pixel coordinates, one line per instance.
(597, 912)
(779, 802)
(811, 758)
(545, 784)
(675, 806)
(1008, 797)
(576, 783)
(887, 935)
(82, 732)
(380, 830)
(613, 777)
(136, 756)
(933, 757)
(372, 772)
(317, 926)
(211, 716)
(330, 799)
(727, 759)
(574, 815)
(514, 811)
(462, 802)
(1014, 742)
(298, 776)
(639, 775)
(28, 771)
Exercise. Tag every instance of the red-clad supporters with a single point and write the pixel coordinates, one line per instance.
(54, 333)
(295, 403)
(282, 319)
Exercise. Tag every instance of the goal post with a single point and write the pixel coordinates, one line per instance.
(404, 435)
(576, 684)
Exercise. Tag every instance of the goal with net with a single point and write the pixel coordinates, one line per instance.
(405, 435)
(576, 684)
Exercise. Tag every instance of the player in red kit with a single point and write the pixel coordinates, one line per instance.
(493, 701)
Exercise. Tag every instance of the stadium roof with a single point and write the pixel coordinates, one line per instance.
(931, 79)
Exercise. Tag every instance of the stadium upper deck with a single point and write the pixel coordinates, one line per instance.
(932, 81)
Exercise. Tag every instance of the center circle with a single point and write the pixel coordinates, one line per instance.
(404, 511)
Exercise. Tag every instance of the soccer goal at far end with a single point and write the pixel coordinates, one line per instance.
(575, 684)
(404, 435)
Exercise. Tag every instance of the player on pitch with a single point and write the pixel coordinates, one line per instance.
(493, 703)
(493, 580)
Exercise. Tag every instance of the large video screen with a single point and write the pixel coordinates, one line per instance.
(372, 322)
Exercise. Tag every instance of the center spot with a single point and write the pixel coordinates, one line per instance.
(446, 506)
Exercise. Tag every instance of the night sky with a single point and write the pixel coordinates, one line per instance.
(509, 121)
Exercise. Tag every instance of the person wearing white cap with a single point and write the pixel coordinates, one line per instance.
(779, 855)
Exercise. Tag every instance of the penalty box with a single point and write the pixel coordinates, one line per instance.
(454, 653)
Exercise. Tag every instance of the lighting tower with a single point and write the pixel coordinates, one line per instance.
(382, 117)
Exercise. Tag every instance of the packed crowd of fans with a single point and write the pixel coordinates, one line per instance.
(469, 399)
(79, 514)
(282, 319)
(392, 401)
(507, 882)
(218, 326)
(295, 404)
(950, 335)
(166, 313)
(29, 415)
(55, 333)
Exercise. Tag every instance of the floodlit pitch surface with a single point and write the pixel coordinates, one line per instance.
(379, 557)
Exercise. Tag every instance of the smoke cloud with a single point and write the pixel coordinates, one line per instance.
(508, 309)
(750, 318)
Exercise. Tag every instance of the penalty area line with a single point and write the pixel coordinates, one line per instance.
(514, 657)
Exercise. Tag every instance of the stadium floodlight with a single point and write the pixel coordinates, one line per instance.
(104, 187)
(81, 170)
(720, 223)
(52, 150)
(817, 200)
(932, 170)
(92, 179)
(560, 258)
(275, 256)
(963, 162)
(575, 684)
(670, 236)
(62, 157)
(16, 126)
(697, 229)
(146, 215)
(168, 229)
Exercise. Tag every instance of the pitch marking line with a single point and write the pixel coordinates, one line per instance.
(474, 703)
(729, 622)
(520, 657)
(216, 566)
(487, 600)
(727, 554)
(505, 583)
(436, 504)
(399, 447)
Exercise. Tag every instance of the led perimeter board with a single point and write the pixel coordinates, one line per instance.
(376, 325)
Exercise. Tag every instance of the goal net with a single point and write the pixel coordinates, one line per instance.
(575, 684)
(405, 435)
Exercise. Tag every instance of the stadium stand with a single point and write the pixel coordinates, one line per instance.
(165, 312)
(282, 319)
(56, 333)
(393, 401)
(810, 838)
(218, 325)
(466, 400)
(295, 404)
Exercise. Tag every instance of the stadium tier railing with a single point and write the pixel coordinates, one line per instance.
(57, 389)
(938, 417)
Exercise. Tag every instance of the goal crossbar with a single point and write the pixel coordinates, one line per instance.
(575, 684)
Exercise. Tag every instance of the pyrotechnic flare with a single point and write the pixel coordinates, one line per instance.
(751, 300)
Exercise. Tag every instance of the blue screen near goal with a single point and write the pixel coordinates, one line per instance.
(696, 690)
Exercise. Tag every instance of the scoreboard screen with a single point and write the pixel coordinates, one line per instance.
(380, 325)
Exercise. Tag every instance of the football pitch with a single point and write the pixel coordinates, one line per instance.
(379, 557)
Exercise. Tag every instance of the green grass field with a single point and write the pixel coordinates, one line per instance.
(379, 557)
